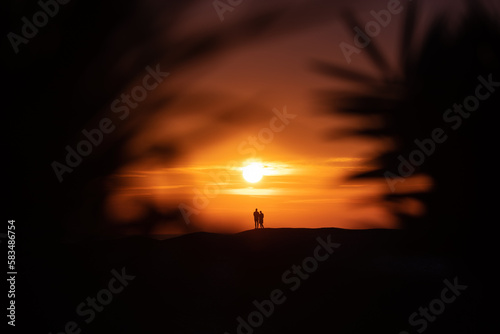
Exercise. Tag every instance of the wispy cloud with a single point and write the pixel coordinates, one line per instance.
(344, 159)
(253, 191)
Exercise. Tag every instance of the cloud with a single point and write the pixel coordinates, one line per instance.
(344, 159)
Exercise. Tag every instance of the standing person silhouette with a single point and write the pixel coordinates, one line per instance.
(261, 220)
(256, 218)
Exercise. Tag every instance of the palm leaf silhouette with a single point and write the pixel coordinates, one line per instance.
(410, 99)
(66, 77)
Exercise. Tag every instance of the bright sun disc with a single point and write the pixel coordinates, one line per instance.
(253, 172)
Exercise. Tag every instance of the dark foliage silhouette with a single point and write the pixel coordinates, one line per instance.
(407, 101)
(65, 78)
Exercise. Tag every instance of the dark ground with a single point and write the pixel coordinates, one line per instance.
(202, 282)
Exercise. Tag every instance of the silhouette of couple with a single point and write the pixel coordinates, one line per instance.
(258, 218)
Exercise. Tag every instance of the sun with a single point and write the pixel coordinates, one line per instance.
(253, 172)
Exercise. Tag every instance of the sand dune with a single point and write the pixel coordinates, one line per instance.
(258, 281)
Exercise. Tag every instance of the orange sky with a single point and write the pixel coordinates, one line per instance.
(307, 185)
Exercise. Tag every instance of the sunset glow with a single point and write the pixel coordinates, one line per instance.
(250, 133)
(250, 166)
(253, 172)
